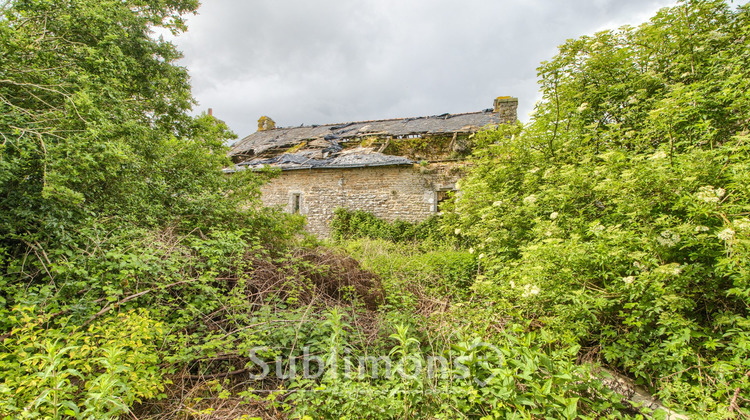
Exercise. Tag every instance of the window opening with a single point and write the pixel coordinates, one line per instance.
(295, 203)
(441, 197)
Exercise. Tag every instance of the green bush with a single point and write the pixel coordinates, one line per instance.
(96, 372)
(618, 216)
(518, 374)
(352, 224)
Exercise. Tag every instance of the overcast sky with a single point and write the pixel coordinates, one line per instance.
(331, 61)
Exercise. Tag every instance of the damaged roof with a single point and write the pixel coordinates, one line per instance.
(351, 159)
(262, 141)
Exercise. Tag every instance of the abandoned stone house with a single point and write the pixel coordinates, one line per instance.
(396, 168)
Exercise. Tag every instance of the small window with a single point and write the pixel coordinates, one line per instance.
(296, 203)
(441, 196)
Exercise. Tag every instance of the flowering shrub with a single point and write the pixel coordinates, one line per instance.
(618, 216)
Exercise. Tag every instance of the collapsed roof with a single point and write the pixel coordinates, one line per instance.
(330, 145)
(262, 141)
(350, 159)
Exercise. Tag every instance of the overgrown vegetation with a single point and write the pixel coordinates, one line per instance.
(349, 224)
(119, 234)
(618, 218)
(138, 280)
(494, 368)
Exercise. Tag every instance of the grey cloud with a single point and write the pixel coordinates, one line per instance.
(334, 61)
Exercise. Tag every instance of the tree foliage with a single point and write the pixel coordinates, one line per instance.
(95, 117)
(112, 199)
(618, 217)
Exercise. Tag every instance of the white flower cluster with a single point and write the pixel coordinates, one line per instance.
(530, 199)
(553, 215)
(742, 225)
(497, 203)
(699, 229)
(628, 279)
(659, 155)
(668, 238)
(669, 269)
(726, 235)
(530, 290)
(708, 194)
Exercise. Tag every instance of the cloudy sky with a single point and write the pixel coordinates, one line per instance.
(330, 61)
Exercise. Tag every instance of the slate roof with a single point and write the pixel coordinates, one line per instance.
(262, 141)
(353, 159)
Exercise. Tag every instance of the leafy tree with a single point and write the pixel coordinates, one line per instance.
(618, 216)
(94, 116)
(112, 197)
(676, 79)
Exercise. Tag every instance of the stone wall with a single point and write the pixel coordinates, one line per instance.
(390, 192)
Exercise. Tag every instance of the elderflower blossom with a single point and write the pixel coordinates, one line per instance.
(726, 235)
(699, 229)
(668, 238)
(628, 279)
(708, 194)
(497, 203)
(530, 199)
(553, 215)
(659, 155)
(670, 269)
(530, 290)
(584, 106)
(742, 225)
(457, 231)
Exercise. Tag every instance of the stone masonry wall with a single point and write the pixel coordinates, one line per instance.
(389, 192)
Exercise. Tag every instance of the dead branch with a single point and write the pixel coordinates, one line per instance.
(733, 406)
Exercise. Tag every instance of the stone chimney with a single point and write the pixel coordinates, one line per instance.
(266, 123)
(507, 108)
